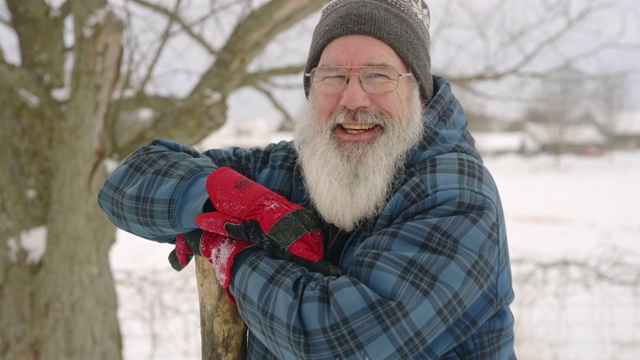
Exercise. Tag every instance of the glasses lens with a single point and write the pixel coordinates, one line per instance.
(329, 80)
(374, 79)
(379, 79)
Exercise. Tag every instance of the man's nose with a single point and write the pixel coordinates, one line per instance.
(353, 95)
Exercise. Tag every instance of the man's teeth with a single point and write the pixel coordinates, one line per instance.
(357, 128)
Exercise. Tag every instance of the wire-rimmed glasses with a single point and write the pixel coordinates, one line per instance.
(374, 79)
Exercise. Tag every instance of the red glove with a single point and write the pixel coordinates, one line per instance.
(291, 226)
(251, 231)
(218, 249)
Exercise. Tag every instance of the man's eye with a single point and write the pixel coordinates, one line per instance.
(332, 77)
(377, 76)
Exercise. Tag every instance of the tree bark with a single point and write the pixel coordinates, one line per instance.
(221, 327)
(62, 304)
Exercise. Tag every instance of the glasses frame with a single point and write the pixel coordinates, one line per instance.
(349, 74)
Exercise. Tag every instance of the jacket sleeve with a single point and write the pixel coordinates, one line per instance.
(157, 191)
(421, 282)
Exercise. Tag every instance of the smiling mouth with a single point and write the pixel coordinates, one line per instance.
(357, 128)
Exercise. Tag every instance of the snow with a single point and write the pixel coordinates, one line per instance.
(61, 94)
(573, 225)
(32, 241)
(35, 243)
(219, 257)
(31, 100)
(157, 306)
(31, 194)
(580, 211)
(212, 97)
(95, 18)
(110, 165)
(145, 114)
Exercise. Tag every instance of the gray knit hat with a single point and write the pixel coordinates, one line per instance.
(401, 24)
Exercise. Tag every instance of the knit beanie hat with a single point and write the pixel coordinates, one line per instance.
(401, 24)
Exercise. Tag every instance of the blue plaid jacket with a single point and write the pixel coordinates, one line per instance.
(428, 278)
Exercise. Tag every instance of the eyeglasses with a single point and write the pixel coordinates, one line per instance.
(374, 79)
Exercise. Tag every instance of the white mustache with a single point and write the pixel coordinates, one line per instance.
(358, 116)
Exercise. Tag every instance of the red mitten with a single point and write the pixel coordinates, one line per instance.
(250, 230)
(219, 250)
(293, 227)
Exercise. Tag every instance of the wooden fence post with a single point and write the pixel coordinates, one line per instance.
(221, 327)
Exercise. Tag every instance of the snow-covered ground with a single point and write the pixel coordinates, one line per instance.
(573, 225)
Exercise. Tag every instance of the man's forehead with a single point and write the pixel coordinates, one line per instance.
(359, 50)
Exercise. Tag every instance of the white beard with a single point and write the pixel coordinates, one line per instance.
(350, 182)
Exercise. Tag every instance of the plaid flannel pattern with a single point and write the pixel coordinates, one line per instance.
(428, 278)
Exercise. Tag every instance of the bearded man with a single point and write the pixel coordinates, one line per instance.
(377, 233)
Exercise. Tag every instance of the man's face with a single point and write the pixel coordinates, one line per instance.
(360, 50)
(352, 144)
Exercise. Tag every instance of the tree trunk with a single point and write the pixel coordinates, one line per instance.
(74, 295)
(60, 304)
(221, 327)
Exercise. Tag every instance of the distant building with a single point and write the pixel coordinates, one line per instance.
(580, 131)
(626, 131)
(558, 138)
(499, 143)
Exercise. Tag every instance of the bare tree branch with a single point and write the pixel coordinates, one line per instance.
(264, 75)
(161, 45)
(540, 44)
(551, 40)
(250, 38)
(174, 17)
(612, 269)
(204, 109)
(272, 99)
